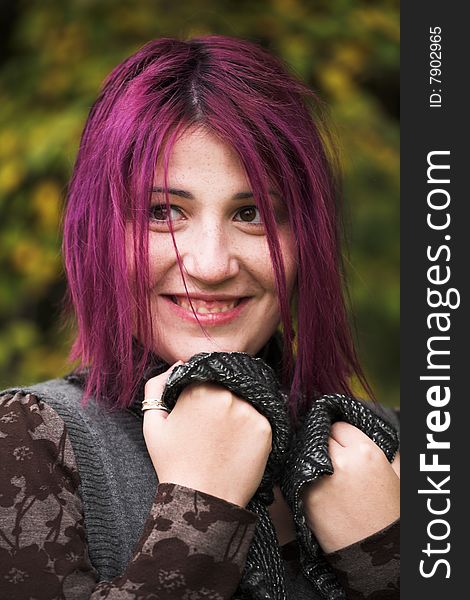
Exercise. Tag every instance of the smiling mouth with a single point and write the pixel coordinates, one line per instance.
(205, 307)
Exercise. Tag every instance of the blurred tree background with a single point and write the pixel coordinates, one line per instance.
(53, 58)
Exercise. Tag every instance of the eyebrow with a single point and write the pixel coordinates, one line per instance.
(189, 196)
(173, 192)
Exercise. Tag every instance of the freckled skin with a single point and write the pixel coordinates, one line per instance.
(222, 252)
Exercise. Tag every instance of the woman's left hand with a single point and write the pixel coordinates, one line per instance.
(360, 498)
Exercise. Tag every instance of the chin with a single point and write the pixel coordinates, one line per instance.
(188, 349)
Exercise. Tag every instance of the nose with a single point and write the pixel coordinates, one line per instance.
(210, 258)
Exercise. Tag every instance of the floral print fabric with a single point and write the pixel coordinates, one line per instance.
(193, 547)
(370, 569)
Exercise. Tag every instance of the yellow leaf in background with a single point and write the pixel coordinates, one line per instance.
(292, 8)
(385, 157)
(350, 56)
(54, 83)
(337, 82)
(25, 256)
(70, 45)
(40, 361)
(198, 30)
(11, 175)
(295, 50)
(17, 335)
(379, 20)
(38, 265)
(358, 389)
(388, 159)
(9, 143)
(46, 201)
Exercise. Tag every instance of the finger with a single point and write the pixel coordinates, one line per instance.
(348, 435)
(155, 386)
(155, 417)
(334, 448)
(153, 422)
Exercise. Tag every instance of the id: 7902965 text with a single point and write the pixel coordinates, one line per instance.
(435, 64)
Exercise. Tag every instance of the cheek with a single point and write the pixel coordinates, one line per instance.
(258, 262)
(162, 259)
(155, 259)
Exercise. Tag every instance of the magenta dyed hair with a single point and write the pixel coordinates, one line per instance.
(243, 94)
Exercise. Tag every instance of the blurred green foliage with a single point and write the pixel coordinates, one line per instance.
(53, 58)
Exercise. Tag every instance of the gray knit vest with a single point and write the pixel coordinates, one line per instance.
(118, 481)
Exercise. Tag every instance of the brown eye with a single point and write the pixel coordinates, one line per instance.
(161, 212)
(249, 214)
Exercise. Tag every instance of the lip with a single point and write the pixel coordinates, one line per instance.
(208, 319)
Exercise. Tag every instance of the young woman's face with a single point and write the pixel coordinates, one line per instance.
(224, 250)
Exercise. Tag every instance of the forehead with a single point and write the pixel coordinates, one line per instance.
(199, 157)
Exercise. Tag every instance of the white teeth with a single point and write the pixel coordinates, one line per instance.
(200, 306)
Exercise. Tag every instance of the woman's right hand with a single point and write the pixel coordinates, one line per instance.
(212, 441)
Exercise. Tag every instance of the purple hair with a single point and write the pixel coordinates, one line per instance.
(243, 94)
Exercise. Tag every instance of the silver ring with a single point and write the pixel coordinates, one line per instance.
(154, 404)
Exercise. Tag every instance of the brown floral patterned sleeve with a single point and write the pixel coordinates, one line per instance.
(370, 569)
(193, 547)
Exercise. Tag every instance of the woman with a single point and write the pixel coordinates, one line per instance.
(202, 215)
